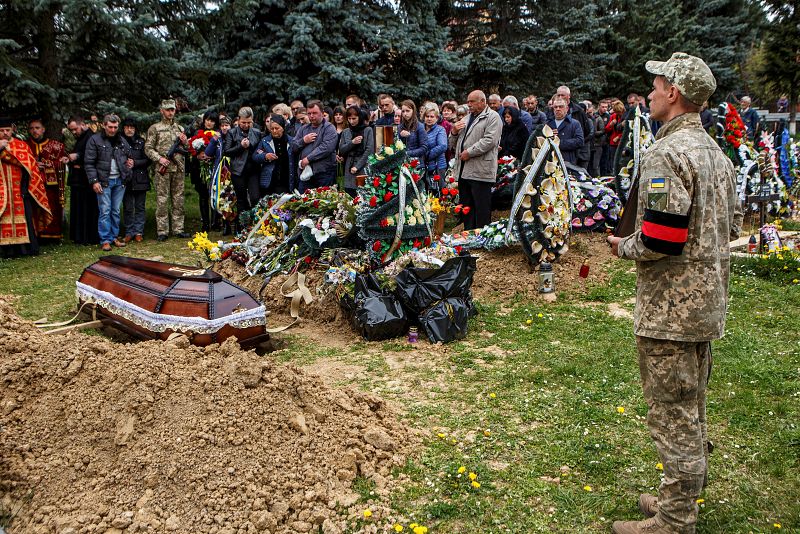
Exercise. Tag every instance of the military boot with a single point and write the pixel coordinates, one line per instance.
(648, 504)
(654, 525)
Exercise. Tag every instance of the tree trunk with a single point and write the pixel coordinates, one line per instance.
(48, 67)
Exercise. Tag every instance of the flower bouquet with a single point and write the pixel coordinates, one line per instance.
(223, 195)
(503, 189)
(596, 206)
(197, 145)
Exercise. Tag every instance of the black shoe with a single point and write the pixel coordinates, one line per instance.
(183, 235)
(162, 237)
(205, 227)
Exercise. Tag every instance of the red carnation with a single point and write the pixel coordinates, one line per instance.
(417, 243)
(373, 201)
(457, 209)
(376, 182)
(415, 177)
(445, 191)
(376, 246)
(427, 241)
(466, 210)
(356, 201)
(452, 180)
(388, 178)
(307, 259)
(458, 249)
(316, 203)
(414, 163)
(384, 223)
(436, 177)
(388, 196)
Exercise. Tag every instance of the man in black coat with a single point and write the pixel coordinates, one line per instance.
(577, 113)
(138, 183)
(240, 144)
(83, 211)
(108, 166)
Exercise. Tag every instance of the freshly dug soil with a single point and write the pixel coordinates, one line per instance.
(166, 437)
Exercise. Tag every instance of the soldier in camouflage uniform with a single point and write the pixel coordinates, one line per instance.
(160, 138)
(687, 213)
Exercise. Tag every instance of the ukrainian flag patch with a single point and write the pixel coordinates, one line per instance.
(658, 183)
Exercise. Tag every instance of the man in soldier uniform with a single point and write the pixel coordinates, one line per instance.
(687, 212)
(161, 138)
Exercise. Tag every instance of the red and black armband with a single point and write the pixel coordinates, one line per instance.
(665, 232)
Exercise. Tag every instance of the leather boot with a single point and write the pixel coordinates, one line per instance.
(654, 525)
(648, 504)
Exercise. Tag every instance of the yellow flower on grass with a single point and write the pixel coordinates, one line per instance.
(473, 476)
(492, 395)
(795, 281)
(419, 529)
(413, 526)
(660, 466)
(529, 321)
(587, 488)
(487, 432)
(700, 501)
(441, 435)
(776, 525)
(620, 409)
(461, 470)
(398, 527)
(367, 513)
(539, 315)
(476, 484)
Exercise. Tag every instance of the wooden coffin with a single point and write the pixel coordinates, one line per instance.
(152, 300)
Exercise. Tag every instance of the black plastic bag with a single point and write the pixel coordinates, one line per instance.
(447, 320)
(376, 314)
(419, 289)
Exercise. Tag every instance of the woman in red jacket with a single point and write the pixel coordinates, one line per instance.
(614, 127)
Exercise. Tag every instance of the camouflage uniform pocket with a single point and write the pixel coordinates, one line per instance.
(670, 371)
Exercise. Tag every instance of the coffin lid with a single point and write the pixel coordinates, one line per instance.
(179, 272)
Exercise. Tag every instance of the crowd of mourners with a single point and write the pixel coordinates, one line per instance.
(109, 165)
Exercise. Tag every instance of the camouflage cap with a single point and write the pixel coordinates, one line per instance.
(689, 74)
(168, 103)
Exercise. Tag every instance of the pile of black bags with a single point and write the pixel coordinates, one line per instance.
(438, 301)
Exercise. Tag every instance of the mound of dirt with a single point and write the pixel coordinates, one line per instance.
(167, 437)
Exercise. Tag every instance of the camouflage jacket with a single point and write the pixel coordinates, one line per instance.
(160, 138)
(687, 213)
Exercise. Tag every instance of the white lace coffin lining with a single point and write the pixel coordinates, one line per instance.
(160, 322)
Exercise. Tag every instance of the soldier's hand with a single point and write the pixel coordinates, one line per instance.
(164, 161)
(309, 138)
(614, 242)
(183, 138)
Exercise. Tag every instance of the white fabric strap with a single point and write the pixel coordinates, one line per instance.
(160, 322)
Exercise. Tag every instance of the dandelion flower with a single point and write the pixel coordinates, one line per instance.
(700, 501)
(476, 484)
(398, 527)
(539, 315)
(620, 409)
(587, 488)
(776, 525)
(419, 529)
(441, 435)
(487, 432)
(367, 513)
(660, 466)
(492, 395)
(529, 321)
(472, 476)
(461, 470)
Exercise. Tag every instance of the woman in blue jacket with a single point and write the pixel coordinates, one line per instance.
(411, 131)
(435, 161)
(273, 153)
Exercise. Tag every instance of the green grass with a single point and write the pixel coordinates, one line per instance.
(557, 384)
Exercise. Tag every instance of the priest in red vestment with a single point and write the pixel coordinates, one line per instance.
(51, 158)
(22, 195)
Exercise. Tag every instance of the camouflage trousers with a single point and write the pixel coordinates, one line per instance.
(674, 378)
(169, 184)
